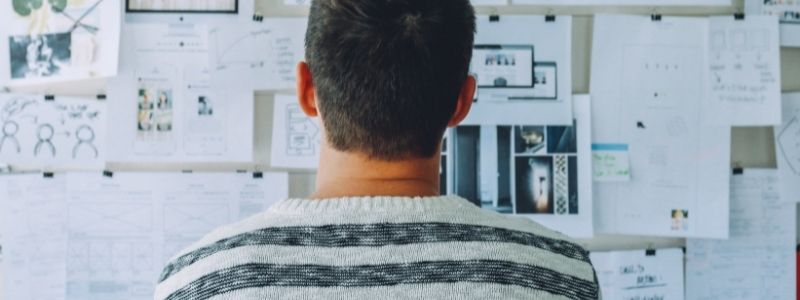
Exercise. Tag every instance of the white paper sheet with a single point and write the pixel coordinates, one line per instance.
(541, 171)
(59, 41)
(787, 144)
(624, 2)
(218, 6)
(109, 237)
(787, 11)
(744, 71)
(647, 89)
(489, 2)
(636, 275)
(164, 106)
(257, 55)
(759, 260)
(34, 237)
(497, 51)
(474, 2)
(295, 136)
(62, 132)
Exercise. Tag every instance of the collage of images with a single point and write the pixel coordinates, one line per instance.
(513, 169)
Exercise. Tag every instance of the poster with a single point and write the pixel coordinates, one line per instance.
(55, 41)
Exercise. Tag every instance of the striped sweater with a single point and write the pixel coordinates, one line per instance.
(380, 248)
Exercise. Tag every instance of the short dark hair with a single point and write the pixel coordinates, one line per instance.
(388, 73)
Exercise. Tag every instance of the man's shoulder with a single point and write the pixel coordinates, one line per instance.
(465, 239)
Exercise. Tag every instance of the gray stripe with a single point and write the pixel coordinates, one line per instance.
(475, 271)
(377, 235)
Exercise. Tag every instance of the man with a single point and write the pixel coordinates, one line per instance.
(386, 77)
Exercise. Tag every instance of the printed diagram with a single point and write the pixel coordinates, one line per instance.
(117, 218)
(262, 55)
(50, 130)
(789, 144)
(303, 134)
(194, 218)
(240, 51)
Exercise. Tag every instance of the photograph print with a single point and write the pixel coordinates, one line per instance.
(50, 40)
(521, 169)
(45, 55)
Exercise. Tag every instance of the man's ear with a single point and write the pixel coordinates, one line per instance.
(464, 103)
(306, 94)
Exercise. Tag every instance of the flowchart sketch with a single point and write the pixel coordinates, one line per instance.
(295, 136)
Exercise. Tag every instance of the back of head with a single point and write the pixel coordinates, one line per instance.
(388, 72)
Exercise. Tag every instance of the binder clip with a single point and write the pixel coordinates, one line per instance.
(550, 18)
(655, 18)
(738, 16)
(49, 98)
(737, 169)
(650, 252)
(108, 174)
(258, 18)
(101, 97)
(258, 175)
(494, 16)
(48, 175)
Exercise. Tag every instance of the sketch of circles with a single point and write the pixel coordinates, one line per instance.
(10, 128)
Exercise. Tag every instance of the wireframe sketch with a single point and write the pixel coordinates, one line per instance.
(197, 218)
(303, 133)
(517, 169)
(61, 40)
(295, 136)
(205, 123)
(154, 109)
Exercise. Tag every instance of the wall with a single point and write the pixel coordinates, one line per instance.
(752, 147)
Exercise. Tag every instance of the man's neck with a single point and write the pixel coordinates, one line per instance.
(343, 174)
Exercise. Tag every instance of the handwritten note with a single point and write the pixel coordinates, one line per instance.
(744, 70)
(758, 261)
(640, 275)
(611, 162)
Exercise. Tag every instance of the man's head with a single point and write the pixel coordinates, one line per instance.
(388, 76)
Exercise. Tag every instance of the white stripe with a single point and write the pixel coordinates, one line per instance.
(353, 256)
(460, 214)
(422, 291)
